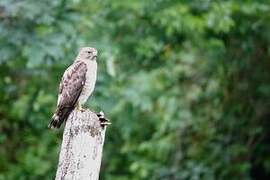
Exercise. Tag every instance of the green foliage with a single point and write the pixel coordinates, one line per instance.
(185, 83)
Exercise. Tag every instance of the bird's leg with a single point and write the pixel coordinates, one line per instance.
(79, 107)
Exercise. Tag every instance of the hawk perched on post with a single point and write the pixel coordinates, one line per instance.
(77, 84)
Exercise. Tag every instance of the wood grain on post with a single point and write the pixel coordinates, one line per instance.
(81, 150)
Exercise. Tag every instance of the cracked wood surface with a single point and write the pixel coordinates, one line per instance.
(81, 149)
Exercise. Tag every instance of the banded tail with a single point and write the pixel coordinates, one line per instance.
(59, 117)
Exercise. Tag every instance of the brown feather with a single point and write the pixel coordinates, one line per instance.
(70, 89)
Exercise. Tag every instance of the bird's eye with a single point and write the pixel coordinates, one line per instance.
(89, 52)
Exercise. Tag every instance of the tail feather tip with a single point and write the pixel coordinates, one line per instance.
(54, 122)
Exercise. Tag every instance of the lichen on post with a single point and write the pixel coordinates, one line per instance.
(81, 149)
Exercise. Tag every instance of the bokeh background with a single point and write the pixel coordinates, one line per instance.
(186, 84)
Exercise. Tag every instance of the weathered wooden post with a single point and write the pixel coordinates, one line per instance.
(81, 149)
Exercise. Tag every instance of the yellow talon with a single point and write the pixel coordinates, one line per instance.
(80, 108)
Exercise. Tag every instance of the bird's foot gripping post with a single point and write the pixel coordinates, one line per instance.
(81, 150)
(80, 108)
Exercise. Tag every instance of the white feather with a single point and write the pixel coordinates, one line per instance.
(90, 81)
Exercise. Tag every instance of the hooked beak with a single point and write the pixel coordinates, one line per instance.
(92, 57)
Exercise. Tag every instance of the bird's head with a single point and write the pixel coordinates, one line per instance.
(87, 53)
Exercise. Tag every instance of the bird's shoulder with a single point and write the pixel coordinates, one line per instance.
(76, 67)
(74, 73)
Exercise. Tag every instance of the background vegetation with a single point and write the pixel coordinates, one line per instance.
(186, 84)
